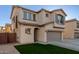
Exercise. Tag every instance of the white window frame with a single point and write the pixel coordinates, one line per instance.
(56, 19)
(28, 16)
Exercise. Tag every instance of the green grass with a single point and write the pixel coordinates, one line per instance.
(36, 48)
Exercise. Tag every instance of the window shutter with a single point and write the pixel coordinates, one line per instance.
(34, 17)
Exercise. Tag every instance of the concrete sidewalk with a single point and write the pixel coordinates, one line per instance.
(8, 49)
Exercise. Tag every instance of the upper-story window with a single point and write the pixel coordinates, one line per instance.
(29, 16)
(47, 15)
(60, 19)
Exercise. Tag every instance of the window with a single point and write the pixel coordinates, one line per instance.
(47, 15)
(59, 19)
(28, 16)
(27, 31)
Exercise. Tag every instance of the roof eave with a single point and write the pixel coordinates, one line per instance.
(59, 10)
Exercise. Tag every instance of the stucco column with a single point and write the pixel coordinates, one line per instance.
(62, 36)
(45, 37)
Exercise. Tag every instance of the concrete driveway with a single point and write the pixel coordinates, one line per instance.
(66, 43)
(8, 49)
(70, 44)
(74, 42)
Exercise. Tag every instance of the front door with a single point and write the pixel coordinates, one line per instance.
(35, 34)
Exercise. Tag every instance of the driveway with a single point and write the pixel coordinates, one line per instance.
(8, 49)
(70, 44)
(66, 43)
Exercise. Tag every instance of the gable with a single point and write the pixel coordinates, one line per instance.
(59, 11)
(14, 11)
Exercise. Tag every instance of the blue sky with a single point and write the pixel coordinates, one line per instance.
(72, 11)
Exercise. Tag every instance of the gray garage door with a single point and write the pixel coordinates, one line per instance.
(76, 35)
(53, 36)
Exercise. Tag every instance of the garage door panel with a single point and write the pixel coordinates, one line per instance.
(53, 36)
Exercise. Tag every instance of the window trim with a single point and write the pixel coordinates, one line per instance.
(59, 21)
(47, 15)
(30, 18)
(27, 30)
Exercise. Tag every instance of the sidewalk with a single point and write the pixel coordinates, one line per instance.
(8, 49)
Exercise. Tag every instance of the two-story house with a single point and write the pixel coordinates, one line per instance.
(34, 26)
(71, 30)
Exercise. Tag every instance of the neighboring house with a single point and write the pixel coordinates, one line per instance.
(71, 30)
(8, 28)
(2, 29)
(43, 25)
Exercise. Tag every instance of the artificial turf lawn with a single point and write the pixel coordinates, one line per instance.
(36, 48)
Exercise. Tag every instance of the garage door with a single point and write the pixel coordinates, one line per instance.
(76, 35)
(53, 36)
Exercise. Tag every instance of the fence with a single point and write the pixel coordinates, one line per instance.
(7, 38)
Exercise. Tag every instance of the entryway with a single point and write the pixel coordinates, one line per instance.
(35, 34)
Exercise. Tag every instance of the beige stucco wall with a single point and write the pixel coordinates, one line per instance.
(15, 13)
(41, 17)
(69, 30)
(59, 12)
(18, 33)
(24, 37)
(41, 34)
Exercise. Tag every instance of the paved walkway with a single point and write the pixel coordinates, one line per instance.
(8, 49)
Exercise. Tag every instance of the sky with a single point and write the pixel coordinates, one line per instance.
(72, 11)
